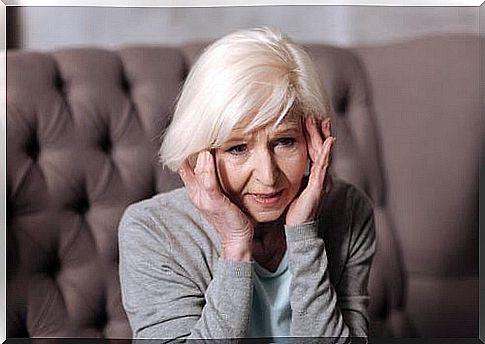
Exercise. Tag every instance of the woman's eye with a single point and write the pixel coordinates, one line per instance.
(285, 141)
(237, 150)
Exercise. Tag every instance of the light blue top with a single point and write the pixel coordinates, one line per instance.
(271, 312)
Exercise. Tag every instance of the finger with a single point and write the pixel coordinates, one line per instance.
(186, 173)
(313, 132)
(314, 139)
(320, 167)
(189, 179)
(327, 152)
(324, 158)
(206, 173)
(198, 164)
(327, 127)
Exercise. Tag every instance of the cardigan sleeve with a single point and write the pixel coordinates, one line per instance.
(160, 299)
(320, 309)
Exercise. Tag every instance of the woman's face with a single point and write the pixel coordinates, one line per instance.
(262, 171)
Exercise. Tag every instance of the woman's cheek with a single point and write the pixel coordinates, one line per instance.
(294, 172)
(230, 170)
(295, 162)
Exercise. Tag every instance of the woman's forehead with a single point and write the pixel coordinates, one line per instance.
(289, 123)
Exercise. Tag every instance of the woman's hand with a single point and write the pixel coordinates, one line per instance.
(233, 226)
(306, 205)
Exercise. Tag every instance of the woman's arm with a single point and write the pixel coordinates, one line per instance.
(320, 309)
(161, 301)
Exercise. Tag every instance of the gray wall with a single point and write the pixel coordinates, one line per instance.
(53, 27)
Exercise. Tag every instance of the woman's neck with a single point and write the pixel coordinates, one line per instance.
(269, 244)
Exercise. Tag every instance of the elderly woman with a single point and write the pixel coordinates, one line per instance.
(259, 242)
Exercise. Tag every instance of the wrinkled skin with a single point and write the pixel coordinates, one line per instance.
(256, 179)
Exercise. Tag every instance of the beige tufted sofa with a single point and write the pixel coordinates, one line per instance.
(83, 128)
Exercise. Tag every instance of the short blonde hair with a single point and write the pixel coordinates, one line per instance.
(258, 73)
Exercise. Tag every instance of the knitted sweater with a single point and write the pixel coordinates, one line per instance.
(175, 284)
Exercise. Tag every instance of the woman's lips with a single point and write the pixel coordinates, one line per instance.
(266, 198)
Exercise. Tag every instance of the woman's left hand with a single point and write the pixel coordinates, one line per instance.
(306, 205)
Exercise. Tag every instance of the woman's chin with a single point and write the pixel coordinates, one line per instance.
(267, 216)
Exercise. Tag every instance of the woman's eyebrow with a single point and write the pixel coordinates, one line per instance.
(235, 137)
(287, 130)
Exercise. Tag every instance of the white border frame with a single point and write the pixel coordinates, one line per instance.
(141, 3)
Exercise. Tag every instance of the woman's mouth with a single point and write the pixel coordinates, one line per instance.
(267, 198)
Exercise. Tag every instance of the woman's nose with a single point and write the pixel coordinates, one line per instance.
(266, 169)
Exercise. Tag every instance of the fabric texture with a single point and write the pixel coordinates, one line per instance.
(175, 285)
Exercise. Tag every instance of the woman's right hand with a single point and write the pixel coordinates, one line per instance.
(233, 226)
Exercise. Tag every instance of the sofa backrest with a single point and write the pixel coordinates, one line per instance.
(427, 106)
(83, 130)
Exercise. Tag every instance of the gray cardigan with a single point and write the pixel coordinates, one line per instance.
(175, 285)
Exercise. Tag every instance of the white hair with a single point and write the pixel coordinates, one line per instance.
(258, 73)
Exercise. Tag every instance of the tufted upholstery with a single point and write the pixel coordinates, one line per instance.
(83, 128)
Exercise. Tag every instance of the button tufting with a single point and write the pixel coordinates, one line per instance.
(342, 103)
(32, 146)
(59, 83)
(105, 143)
(54, 267)
(125, 85)
(81, 206)
(101, 320)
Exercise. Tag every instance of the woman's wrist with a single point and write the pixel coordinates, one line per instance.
(238, 252)
(304, 231)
